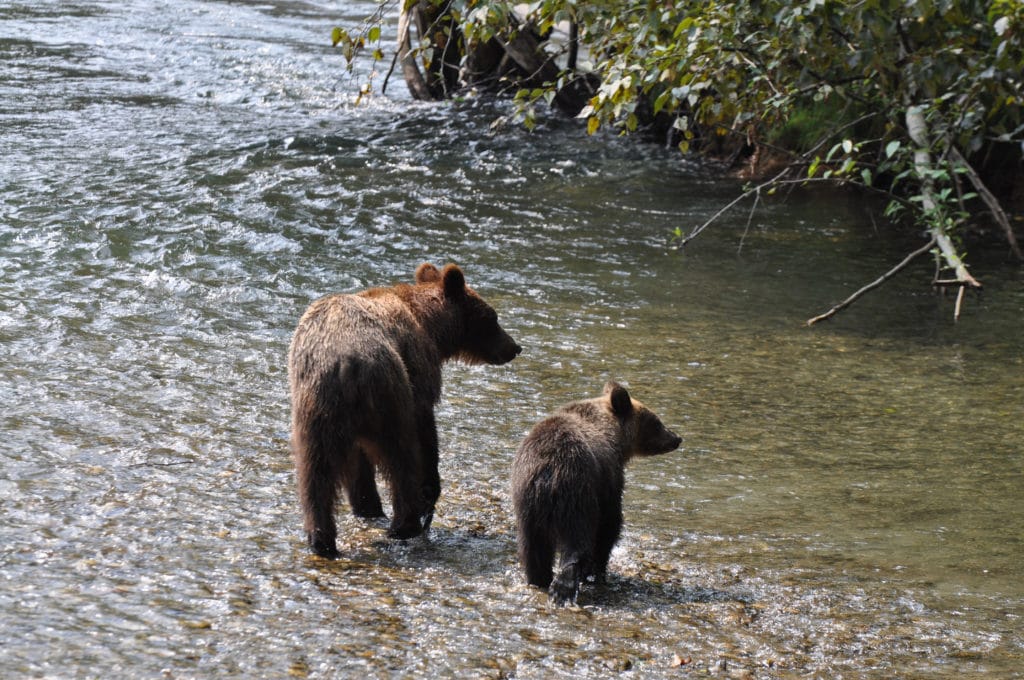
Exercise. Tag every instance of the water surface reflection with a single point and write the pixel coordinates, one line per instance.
(180, 180)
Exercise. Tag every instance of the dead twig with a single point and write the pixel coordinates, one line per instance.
(959, 300)
(750, 218)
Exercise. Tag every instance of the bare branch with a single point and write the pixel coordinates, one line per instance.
(756, 190)
(875, 284)
(991, 201)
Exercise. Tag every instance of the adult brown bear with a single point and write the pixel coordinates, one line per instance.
(567, 481)
(365, 375)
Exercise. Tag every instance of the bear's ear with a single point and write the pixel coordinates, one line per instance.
(454, 281)
(622, 404)
(427, 273)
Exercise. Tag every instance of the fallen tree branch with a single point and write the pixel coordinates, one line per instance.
(917, 129)
(876, 283)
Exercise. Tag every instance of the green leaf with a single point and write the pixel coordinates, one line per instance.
(530, 119)
(338, 35)
(374, 34)
(592, 124)
(683, 25)
(659, 103)
(891, 148)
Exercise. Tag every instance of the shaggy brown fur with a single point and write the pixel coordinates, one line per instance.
(365, 375)
(567, 482)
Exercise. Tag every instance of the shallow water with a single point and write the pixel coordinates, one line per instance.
(179, 180)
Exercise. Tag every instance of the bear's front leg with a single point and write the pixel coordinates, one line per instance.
(406, 507)
(426, 428)
(607, 536)
(401, 451)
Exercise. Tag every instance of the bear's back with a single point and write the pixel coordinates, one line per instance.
(576, 446)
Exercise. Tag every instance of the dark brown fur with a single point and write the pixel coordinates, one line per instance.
(567, 482)
(365, 375)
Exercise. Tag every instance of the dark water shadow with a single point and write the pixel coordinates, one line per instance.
(468, 552)
(630, 592)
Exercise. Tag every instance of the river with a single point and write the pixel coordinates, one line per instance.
(178, 180)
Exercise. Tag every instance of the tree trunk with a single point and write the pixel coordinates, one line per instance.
(440, 75)
(417, 84)
(917, 128)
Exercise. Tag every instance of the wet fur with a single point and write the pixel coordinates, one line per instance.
(365, 375)
(567, 482)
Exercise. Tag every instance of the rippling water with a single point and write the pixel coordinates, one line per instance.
(179, 179)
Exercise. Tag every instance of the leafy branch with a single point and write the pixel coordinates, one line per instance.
(910, 99)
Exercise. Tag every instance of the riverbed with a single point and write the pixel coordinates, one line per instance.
(178, 180)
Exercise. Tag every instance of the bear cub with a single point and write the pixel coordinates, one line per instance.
(567, 481)
(365, 374)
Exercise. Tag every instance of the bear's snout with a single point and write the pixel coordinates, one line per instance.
(659, 443)
(508, 351)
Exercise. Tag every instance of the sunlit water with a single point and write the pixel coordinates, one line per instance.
(178, 180)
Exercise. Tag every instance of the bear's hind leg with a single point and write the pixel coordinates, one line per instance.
(317, 476)
(576, 518)
(536, 554)
(360, 485)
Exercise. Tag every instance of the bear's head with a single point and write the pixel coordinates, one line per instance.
(475, 337)
(648, 435)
